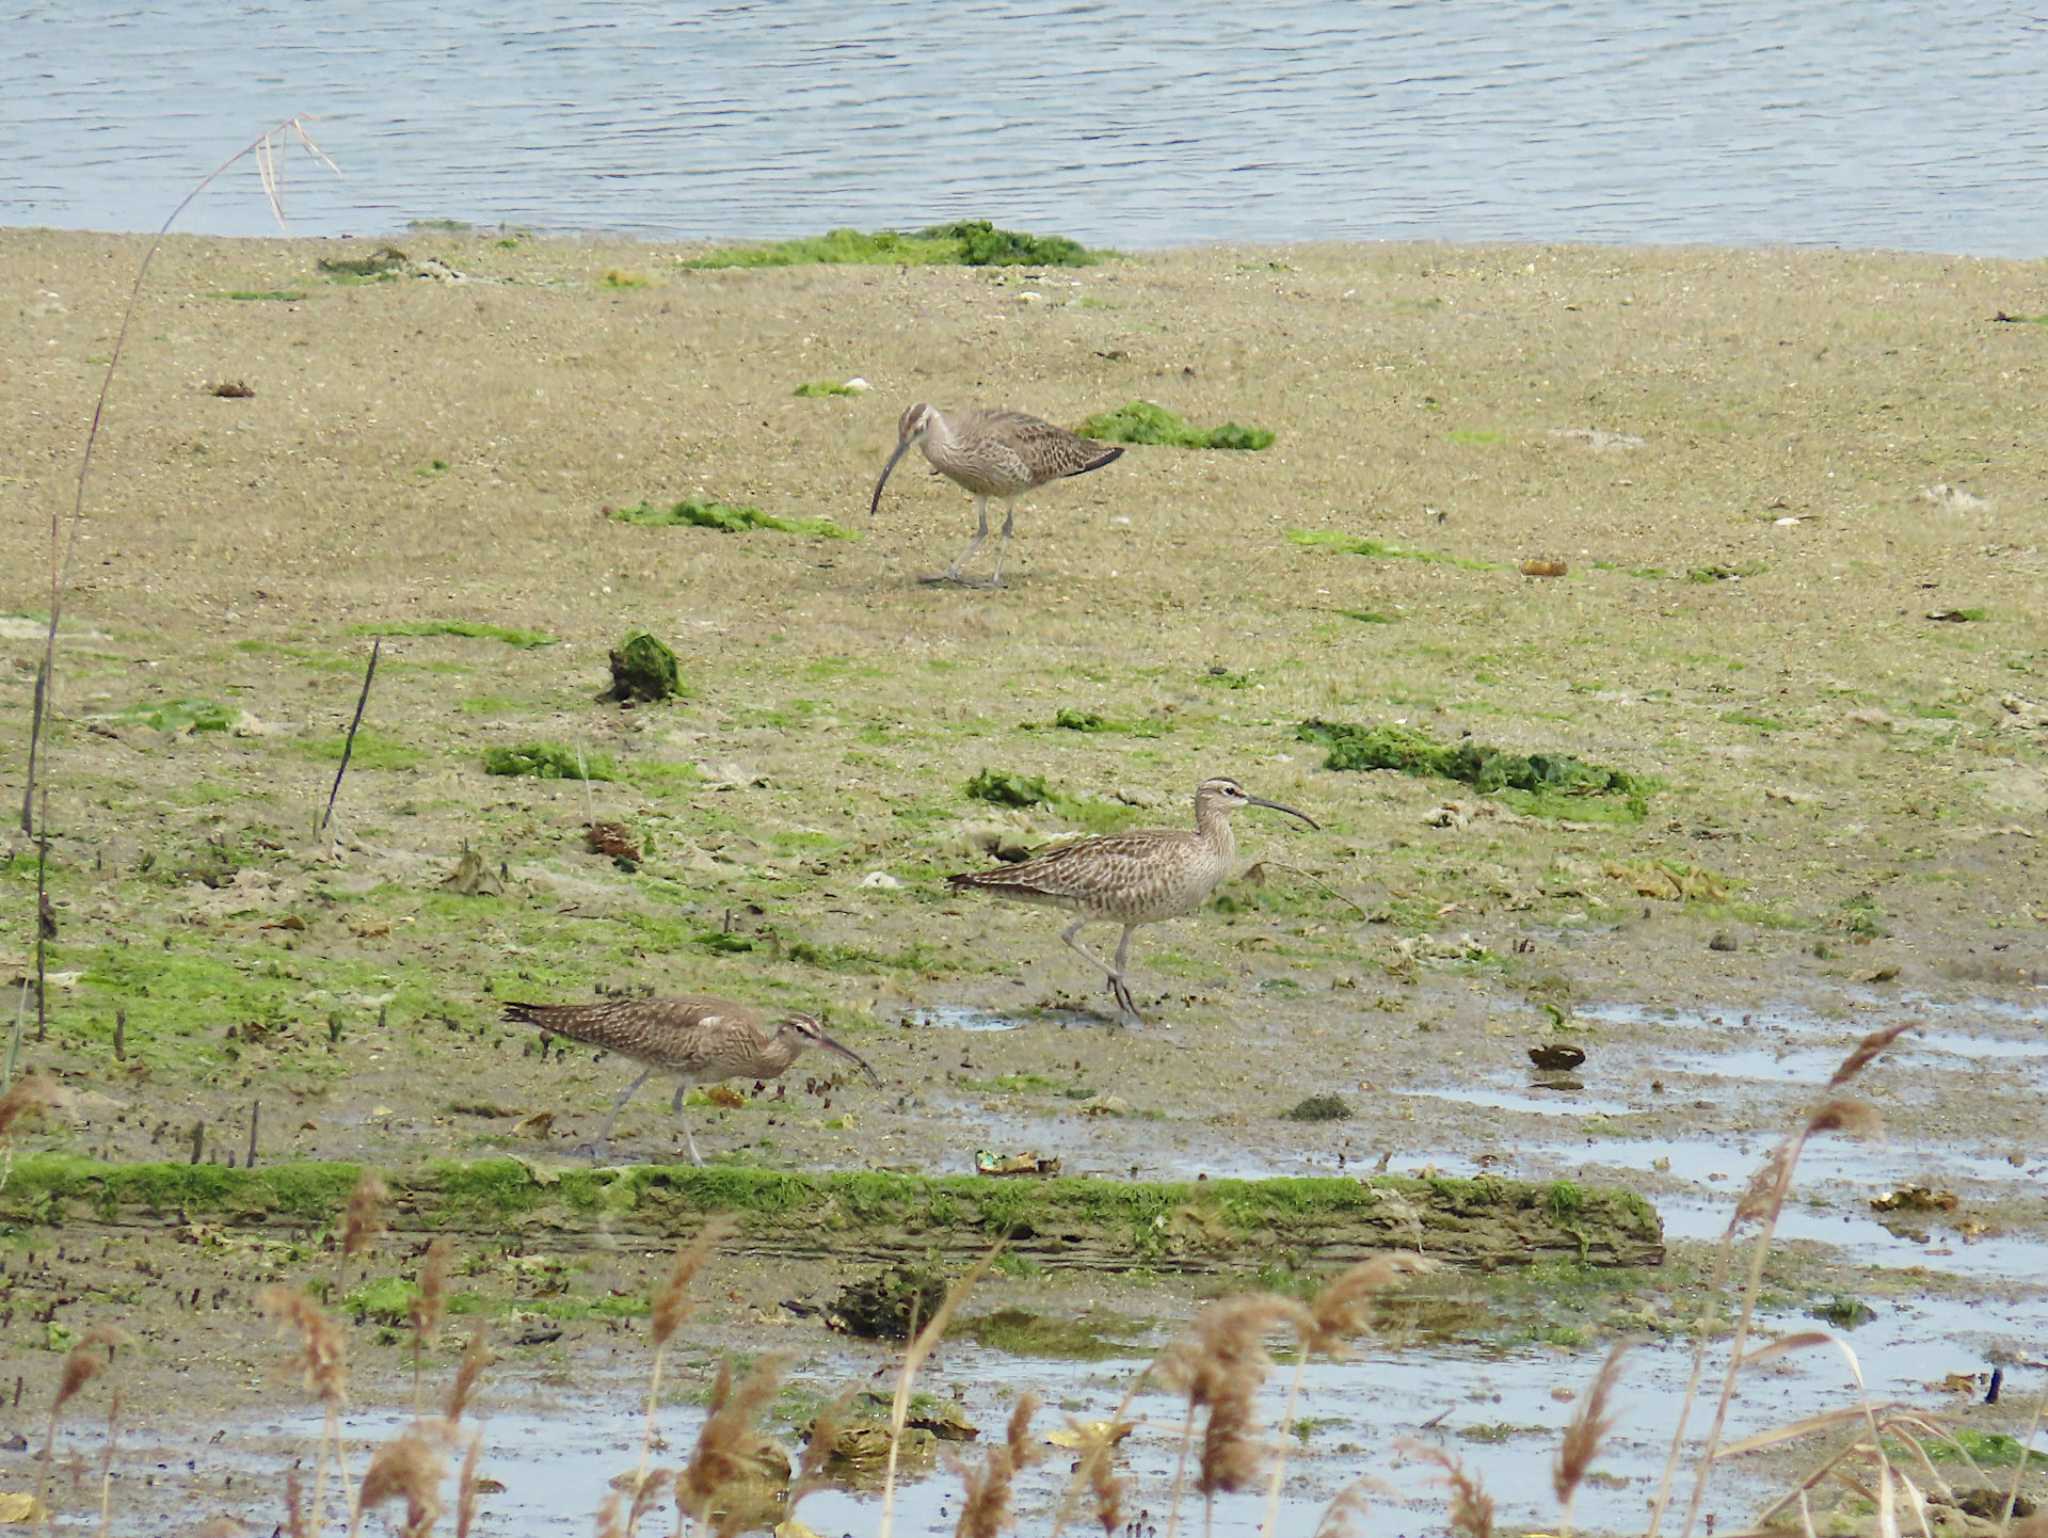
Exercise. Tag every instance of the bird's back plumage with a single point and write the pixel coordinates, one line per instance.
(681, 1035)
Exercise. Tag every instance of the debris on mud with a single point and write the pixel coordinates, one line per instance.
(472, 878)
(1844, 1312)
(1537, 566)
(232, 390)
(384, 262)
(987, 1162)
(1556, 1056)
(1671, 881)
(1319, 1108)
(1020, 1332)
(889, 1304)
(613, 841)
(1144, 422)
(1915, 1199)
(962, 243)
(643, 669)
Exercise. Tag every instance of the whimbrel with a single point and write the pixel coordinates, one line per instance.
(700, 1040)
(1130, 878)
(992, 454)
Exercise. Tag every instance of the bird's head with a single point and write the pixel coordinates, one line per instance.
(1224, 794)
(911, 428)
(803, 1031)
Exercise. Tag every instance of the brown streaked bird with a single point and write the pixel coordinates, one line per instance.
(700, 1040)
(1130, 878)
(992, 454)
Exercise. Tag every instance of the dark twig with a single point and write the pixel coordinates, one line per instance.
(46, 920)
(349, 746)
(255, 1114)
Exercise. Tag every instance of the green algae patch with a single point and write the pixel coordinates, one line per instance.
(181, 715)
(963, 243)
(822, 389)
(1541, 784)
(1380, 550)
(1020, 1332)
(549, 761)
(525, 640)
(726, 517)
(1144, 422)
(1004, 787)
(1217, 1225)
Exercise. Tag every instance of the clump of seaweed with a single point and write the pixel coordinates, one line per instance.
(643, 668)
(1544, 776)
(1005, 787)
(962, 243)
(727, 517)
(888, 1305)
(1145, 422)
(549, 761)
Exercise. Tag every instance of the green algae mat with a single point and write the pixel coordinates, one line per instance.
(1109, 1225)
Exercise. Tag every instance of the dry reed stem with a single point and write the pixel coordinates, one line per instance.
(1096, 1467)
(326, 1370)
(1471, 1513)
(1590, 1425)
(466, 1490)
(294, 1504)
(34, 1094)
(1338, 1313)
(985, 1511)
(1776, 1176)
(817, 1454)
(107, 1465)
(84, 1362)
(728, 1446)
(1220, 1369)
(476, 1356)
(428, 1307)
(365, 1215)
(914, 1355)
(1347, 1505)
(409, 1467)
(669, 1307)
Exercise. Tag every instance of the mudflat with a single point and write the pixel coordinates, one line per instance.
(1792, 504)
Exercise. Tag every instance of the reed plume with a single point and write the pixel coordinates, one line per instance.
(1471, 1513)
(1590, 1425)
(409, 1467)
(669, 1307)
(985, 1510)
(84, 1362)
(922, 1343)
(476, 1356)
(1220, 1369)
(729, 1444)
(428, 1307)
(364, 1219)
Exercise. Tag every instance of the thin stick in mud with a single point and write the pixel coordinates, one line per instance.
(349, 745)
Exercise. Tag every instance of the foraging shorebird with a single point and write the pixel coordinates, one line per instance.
(992, 454)
(1130, 878)
(700, 1040)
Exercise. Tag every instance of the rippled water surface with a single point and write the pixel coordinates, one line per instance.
(1126, 121)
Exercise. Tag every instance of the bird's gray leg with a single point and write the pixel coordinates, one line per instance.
(604, 1136)
(1003, 548)
(676, 1105)
(1120, 981)
(1115, 974)
(980, 539)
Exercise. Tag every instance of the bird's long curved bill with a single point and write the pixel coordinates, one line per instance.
(902, 448)
(851, 1056)
(1277, 807)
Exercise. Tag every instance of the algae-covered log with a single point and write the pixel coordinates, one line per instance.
(1112, 1225)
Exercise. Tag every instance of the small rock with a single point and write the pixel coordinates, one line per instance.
(643, 668)
(1556, 1055)
(858, 385)
(1320, 1108)
(1723, 941)
(880, 880)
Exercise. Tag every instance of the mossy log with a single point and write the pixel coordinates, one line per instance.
(1108, 1225)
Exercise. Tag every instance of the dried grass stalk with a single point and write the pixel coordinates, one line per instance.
(33, 1093)
(914, 1356)
(320, 1341)
(817, 1454)
(1221, 1369)
(432, 1303)
(1590, 1425)
(476, 1356)
(1348, 1508)
(294, 1504)
(466, 1489)
(365, 1216)
(671, 1303)
(1098, 1468)
(410, 1468)
(82, 1363)
(985, 1511)
(729, 1443)
(1471, 1512)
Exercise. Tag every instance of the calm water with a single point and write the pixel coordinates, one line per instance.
(1130, 122)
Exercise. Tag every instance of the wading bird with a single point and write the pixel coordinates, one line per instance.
(1130, 878)
(992, 454)
(699, 1040)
